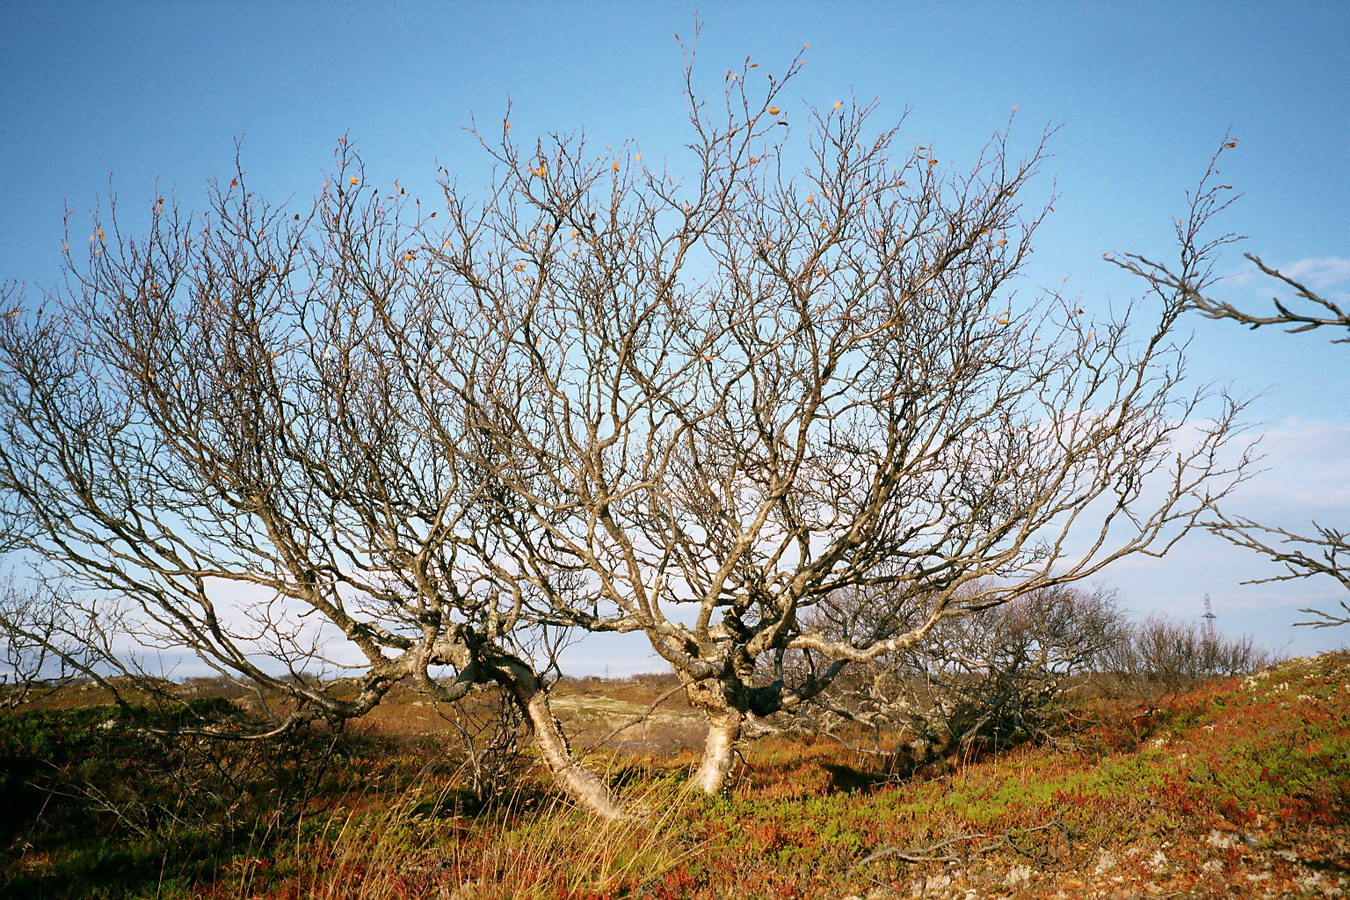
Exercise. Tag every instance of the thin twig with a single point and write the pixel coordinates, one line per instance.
(924, 854)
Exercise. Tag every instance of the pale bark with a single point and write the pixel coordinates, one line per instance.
(578, 782)
(718, 750)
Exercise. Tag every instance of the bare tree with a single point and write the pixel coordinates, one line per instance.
(1285, 314)
(600, 398)
(489, 749)
(1301, 555)
(717, 401)
(222, 426)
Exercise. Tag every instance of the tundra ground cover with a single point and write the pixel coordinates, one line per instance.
(1237, 788)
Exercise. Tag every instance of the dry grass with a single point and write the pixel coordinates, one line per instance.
(420, 847)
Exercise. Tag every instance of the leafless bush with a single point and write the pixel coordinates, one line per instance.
(1173, 655)
(147, 770)
(974, 683)
(27, 626)
(45, 643)
(654, 679)
(489, 731)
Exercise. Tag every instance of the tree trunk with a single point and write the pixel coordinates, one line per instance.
(724, 727)
(578, 782)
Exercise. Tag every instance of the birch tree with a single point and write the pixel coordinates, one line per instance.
(214, 428)
(716, 399)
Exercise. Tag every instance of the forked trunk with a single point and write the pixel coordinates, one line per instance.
(724, 727)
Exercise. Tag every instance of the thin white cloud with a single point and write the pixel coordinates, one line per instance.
(1307, 472)
(1306, 478)
(1319, 273)
(1324, 273)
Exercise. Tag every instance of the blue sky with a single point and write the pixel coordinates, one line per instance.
(156, 95)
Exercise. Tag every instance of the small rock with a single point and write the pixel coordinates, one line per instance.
(1106, 861)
